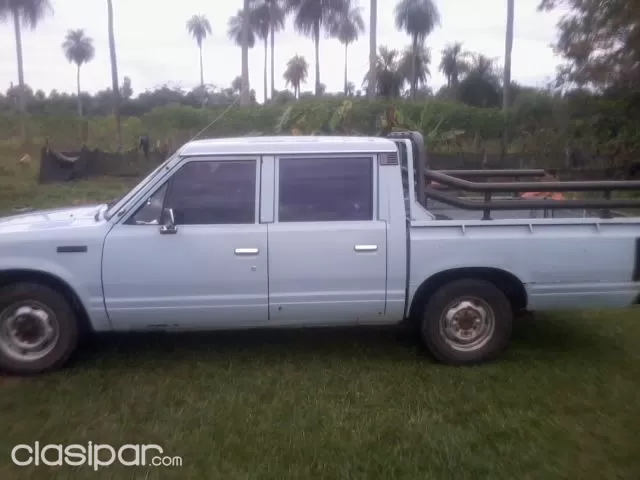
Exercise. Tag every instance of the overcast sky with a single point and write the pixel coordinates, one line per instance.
(154, 47)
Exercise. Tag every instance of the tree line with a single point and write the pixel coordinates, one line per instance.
(600, 42)
(472, 79)
(257, 19)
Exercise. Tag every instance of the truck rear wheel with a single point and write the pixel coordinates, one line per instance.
(466, 322)
(38, 329)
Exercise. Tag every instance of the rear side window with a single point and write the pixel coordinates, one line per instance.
(325, 189)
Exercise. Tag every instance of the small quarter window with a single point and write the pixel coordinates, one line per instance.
(151, 211)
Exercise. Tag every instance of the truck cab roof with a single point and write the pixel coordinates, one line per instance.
(284, 145)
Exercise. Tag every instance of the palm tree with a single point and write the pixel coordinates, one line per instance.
(126, 91)
(389, 79)
(373, 42)
(277, 16)
(506, 83)
(418, 18)
(480, 87)
(260, 23)
(506, 80)
(115, 89)
(246, 43)
(483, 66)
(235, 30)
(236, 85)
(453, 63)
(28, 13)
(310, 17)
(240, 32)
(199, 28)
(347, 28)
(414, 66)
(351, 89)
(78, 48)
(296, 73)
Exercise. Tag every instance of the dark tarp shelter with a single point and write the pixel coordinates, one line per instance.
(67, 166)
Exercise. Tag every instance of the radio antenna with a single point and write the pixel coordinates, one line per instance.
(215, 120)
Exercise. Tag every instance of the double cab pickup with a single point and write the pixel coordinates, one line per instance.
(297, 232)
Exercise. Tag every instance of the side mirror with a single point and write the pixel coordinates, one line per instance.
(168, 222)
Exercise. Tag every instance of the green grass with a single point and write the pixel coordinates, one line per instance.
(561, 403)
(362, 403)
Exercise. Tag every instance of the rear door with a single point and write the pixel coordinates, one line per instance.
(327, 248)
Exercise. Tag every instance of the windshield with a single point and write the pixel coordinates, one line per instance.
(115, 205)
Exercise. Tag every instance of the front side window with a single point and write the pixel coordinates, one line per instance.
(325, 189)
(205, 193)
(214, 193)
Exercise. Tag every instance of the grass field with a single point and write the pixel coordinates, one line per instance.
(562, 403)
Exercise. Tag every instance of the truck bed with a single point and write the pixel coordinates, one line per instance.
(562, 264)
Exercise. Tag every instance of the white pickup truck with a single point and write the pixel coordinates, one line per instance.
(304, 231)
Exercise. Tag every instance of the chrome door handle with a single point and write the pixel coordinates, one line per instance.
(246, 251)
(168, 229)
(365, 248)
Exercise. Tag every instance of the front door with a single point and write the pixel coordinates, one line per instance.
(327, 250)
(211, 271)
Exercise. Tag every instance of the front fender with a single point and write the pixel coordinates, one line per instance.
(81, 276)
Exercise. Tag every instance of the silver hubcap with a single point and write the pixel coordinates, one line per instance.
(28, 331)
(467, 324)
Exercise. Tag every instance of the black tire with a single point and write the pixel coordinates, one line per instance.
(490, 298)
(67, 327)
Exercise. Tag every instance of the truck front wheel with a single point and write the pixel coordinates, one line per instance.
(38, 329)
(466, 322)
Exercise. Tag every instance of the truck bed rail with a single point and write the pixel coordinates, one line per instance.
(436, 184)
(606, 203)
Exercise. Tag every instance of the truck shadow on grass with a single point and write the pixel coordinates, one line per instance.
(562, 335)
(545, 337)
(262, 345)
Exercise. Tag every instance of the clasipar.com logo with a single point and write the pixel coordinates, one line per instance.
(96, 455)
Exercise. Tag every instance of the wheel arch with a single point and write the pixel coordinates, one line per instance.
(16, 275)
(507, 282)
